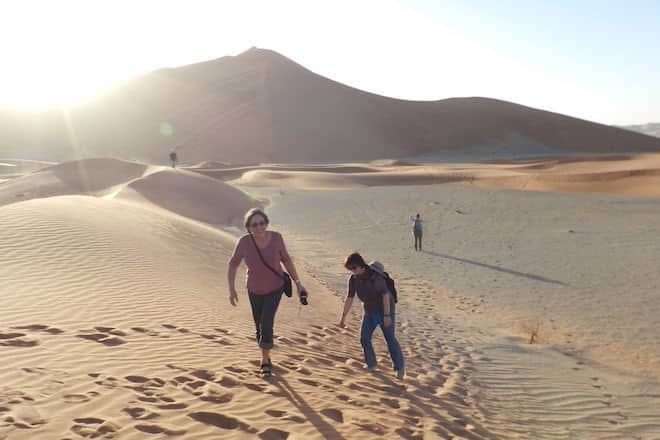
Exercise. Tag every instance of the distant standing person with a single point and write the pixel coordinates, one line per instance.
(368, 283)
(265, 283)
(417, 231)
(173, 158)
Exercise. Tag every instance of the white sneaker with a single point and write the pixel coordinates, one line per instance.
(370, 368)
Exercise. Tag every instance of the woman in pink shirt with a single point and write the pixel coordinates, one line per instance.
(264, 284)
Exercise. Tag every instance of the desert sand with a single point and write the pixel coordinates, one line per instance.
(115, 320)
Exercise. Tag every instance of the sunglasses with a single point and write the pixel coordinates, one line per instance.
(351, 267)
(255, 224)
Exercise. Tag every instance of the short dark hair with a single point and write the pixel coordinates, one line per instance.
(354, 260)
(251, 213)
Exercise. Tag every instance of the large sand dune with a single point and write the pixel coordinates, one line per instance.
(260, 106)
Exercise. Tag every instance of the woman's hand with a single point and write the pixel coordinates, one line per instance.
(233, 297)
(342, 323)
(387, 321)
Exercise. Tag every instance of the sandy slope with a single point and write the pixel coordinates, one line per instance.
(116, 324)
(501, 262)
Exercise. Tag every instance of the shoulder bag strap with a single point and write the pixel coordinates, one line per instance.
(262, 258)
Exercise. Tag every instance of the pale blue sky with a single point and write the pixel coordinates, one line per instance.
(594, 60)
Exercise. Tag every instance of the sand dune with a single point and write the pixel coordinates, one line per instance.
(191, 195)
(261, 107)
(116, 323)
(90, 176)
(635, 175)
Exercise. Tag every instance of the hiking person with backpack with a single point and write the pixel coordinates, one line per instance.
(263, 251)
(417, 231)
(369, 283)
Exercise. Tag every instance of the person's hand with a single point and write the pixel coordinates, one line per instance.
(233, 297)
(387, 321)
(342, 323)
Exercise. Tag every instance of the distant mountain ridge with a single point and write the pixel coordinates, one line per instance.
(260, 106)
(650, 129)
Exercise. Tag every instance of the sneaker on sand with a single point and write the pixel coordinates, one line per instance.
(371, 368)
(400, 374)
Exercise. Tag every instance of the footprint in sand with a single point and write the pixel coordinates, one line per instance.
(21, 417)
(274, 434)
(40, 328)
(158, 429)
(80, 398)
(147, 331)
(333, 414)
(392, 403)
(285, 416)
(14, 339)
(94, 427)
(139, 413)
(108, 336)
(104, 380)
(221, 421)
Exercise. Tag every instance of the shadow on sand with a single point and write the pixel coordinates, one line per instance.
(323, 427)
(499, 269)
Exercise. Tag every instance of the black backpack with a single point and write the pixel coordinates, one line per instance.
(390, 286)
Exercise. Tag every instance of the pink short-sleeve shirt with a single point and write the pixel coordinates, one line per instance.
(260, 279)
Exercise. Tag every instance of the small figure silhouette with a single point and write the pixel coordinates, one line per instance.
(173, 158)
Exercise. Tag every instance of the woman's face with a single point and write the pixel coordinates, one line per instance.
(257, 224)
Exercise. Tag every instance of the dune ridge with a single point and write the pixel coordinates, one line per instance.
(261, 107)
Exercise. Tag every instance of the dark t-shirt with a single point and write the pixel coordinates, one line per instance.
(369, 291)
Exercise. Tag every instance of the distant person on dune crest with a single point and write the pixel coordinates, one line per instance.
(263, 251)
(173, 158)
(417, 231)
(367, 281)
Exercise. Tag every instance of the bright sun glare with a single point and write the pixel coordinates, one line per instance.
(60, 53)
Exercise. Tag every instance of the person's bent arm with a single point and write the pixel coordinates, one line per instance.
(231, 279)
(347, 306)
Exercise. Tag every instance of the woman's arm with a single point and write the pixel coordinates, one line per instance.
(231, 279)
(290, 267)
(232, 265)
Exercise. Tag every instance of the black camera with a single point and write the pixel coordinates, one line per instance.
(303, 297)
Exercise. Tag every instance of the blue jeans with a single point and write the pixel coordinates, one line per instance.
(369, 324)
(263, 313)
